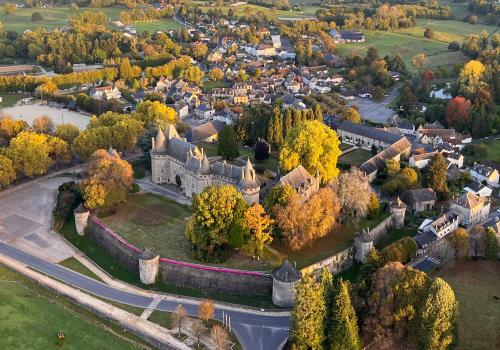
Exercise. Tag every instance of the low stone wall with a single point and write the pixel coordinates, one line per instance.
(181, 273)
(381, 229)
(335, 263)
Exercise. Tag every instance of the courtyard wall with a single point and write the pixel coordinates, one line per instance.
(180, 273)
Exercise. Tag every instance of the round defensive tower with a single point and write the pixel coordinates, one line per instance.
(285, 278)
(363, 243)
(149, 262)
(81, 218)
(398, 209)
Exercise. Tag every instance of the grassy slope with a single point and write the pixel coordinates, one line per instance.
(29, 321)
(55, 17)
(475, 284)
(75, 265)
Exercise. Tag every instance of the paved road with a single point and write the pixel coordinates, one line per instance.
(256, 331)
(163, 190)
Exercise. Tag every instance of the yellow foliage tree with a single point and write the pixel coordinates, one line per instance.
(259, 225)
(156, 113)
(30, 153)
(108, 182)
(315, 146)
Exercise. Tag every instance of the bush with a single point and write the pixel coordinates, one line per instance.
(261, 150)
(454, 46)
(134, 188)
(260, 169)
(402, 250)
(429, 33)
(68, 198)
(36, 17)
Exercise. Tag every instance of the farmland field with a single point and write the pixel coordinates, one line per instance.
(164, 25)
(476, 284)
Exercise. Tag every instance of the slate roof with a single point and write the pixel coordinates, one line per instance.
(369, 132)
(413, 197)
(425, 238)
(470, 200)
(299, 178)
(286, 273)
(483, 169)
(378, 161)
(205, 131)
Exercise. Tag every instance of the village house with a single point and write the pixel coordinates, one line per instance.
(304, 183)
(405, 126)
(432, 230)
(365, 136)
(478, 189)
(433, 135)
(420, 161)
(347, 36)
(397, 151)
(471, 208)
(204, 111)
(207, 132)
(482, 173)
(240, 100)
(105, 93)
(421, 199)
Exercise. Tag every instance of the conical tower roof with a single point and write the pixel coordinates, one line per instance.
(160, 141)
(112, 152)
(286, 273)
(172, 132)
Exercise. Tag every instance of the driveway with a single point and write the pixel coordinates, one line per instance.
(26, 220)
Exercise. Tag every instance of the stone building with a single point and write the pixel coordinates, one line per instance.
(420, 199)
(471, 208)
(176, 161)
(285, 278)
(304, 183)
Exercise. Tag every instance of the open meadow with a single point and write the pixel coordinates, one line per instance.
(55, 17)
(31, 316)
(476, 284)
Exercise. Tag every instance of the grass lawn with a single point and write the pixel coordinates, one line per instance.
(8, 100)
(356, 157)
(391, 43)
(475, 283)
(111, 266)
(492, 152)
(54, 17)
(31, 316)
(148, 220)
(164, 25)
(307, 11)
(209, 85)
(394, 234)
(75, 265)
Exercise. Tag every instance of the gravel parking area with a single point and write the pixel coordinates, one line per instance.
(29, 112)
(374, 111)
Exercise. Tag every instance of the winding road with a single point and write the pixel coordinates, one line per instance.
(256, 330)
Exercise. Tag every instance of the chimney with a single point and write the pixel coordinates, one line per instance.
(152, 143)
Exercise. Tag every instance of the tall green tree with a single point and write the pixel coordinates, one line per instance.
(218, 211)
(438, 316)
(343, 334)
(491, 244)
(227, 146)
(275, 129)
(308, 315)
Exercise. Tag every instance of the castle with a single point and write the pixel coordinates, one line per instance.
(176, 161)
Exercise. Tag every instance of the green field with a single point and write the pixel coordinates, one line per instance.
(476, 284)
(8, 100)
(148, 220)
(164, 25)
(31, 316)
(356, 157)
(55, 17)
(307, 11)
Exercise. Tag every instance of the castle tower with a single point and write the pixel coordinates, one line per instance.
(249, 185)
(285, 278)
(363, 243)
(149, 262)
(81, 219)
(398, 209)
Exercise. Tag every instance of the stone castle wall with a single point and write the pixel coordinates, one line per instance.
(180, 273)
